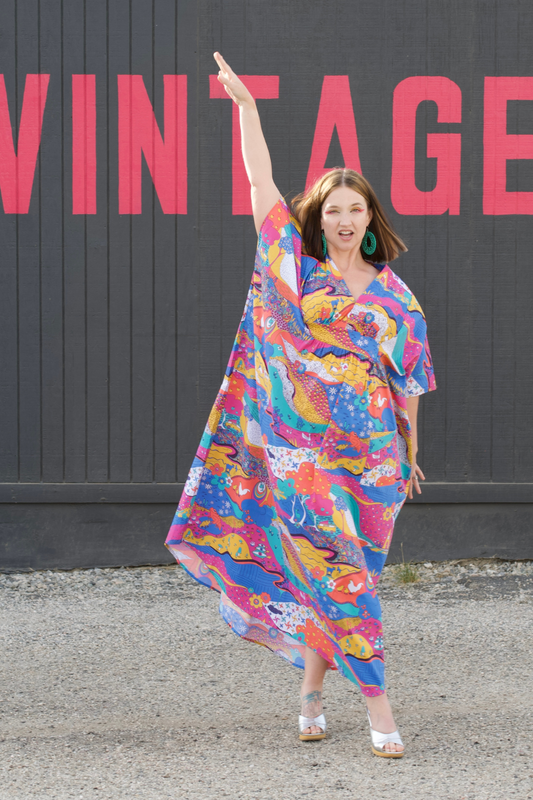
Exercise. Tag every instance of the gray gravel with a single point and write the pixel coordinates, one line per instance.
(127, 684)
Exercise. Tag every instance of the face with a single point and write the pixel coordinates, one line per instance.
(344, 218)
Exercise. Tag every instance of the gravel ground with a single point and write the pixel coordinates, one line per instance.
(125, 683)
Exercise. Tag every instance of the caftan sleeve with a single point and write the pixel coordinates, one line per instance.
(278, 268)
(409, 364)
(419, 373)
(279, 250)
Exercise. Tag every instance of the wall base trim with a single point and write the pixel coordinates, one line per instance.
(78, 535)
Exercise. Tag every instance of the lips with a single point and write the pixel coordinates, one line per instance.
(346, 235)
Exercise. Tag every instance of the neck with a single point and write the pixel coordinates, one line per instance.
(347, 261)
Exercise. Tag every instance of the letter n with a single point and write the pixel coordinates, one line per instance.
(138, 134)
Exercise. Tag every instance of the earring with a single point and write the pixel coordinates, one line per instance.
(369, 242)
(325, 245)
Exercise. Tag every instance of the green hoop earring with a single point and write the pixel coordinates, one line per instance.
(324, 245)
(369, 243)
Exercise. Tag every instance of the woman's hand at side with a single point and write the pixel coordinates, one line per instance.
(416, 475)
(416, 472)
(254, 147)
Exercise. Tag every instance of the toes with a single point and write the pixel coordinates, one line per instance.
(392, 747)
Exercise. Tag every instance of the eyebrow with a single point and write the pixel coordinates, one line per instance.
(351, 206)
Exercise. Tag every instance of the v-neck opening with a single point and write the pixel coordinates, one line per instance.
(365, 291)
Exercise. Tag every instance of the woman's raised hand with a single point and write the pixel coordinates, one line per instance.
(232, 83)
(255, 153)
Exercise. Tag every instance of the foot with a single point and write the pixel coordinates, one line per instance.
(382, 719)
(311, 707)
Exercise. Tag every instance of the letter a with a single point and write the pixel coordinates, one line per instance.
(335, 110)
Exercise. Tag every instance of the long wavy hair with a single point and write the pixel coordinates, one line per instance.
(307, 208)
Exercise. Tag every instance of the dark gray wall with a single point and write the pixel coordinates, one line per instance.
(116, 329)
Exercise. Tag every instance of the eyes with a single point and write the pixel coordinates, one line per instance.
(336, 211)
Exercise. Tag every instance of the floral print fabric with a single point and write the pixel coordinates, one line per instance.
(289, 507)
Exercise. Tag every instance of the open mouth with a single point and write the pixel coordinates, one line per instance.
(346, 236)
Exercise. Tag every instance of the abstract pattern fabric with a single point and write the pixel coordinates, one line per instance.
(289, 507)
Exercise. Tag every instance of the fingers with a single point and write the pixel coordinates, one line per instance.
(415, 483)
(416, 474)
(225, 67)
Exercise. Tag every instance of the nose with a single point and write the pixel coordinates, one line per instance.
(345, 221)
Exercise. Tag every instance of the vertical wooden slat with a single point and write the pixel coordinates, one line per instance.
(164, 256)
(504, 320)
(119, 242)
(142, 265)
(237, 232)
(29, 267)
(523, 366)
(481, 250)
(9, 390)
(187, 364)
(51, 212)
(214, 134)
(74, 260)
(97, 261)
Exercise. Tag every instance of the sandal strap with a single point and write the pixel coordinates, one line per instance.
(307, 722)
(380, 739)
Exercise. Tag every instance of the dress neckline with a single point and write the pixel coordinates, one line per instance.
(338, 273)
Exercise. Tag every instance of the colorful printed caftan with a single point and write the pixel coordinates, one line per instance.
(289, 507)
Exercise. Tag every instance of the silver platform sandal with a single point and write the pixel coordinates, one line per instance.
(379, 740)
(307, 722)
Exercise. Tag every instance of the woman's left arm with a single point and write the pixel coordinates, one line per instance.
(416, 472)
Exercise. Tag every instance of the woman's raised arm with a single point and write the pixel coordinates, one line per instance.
(254, 147)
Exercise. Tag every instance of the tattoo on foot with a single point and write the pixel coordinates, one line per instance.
(312, 704)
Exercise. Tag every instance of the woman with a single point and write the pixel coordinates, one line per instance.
(310, 450)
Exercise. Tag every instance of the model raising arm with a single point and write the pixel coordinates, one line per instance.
(254, 148)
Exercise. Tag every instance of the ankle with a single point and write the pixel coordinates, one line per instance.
(311, 703)
(311, 689)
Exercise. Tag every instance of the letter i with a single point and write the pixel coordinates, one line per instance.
(83, 144)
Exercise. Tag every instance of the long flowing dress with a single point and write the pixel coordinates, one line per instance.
(289, 507)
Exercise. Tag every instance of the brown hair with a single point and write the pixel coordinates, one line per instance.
(307, 208)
